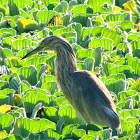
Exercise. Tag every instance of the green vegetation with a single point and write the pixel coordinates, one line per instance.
(105, 36)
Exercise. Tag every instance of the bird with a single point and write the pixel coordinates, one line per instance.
(86, 92)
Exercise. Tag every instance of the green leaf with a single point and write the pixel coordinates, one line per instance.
(24, 126)
(127, 70)
(136, 85)
(53, 133)
(50, 113)
(103, 42)
(26, 25)
(125, 47)
(6, 122)
(4, 84)
(4, 99)
(62, 7)
(8, 92)
(32, 98)
(81, 18)
(21, 44)
(134, 63)
(107, 33)
(10, 30)
(136, 53)
(43, 124)
(28, 73)
(35, 110)
(3, 134)
(78, 133)
(46, 3)
(88, 138)
(68, 114)
(115, 85)
(42, 14)
(82, 9)
(67, 130)
(50, 86)
(84, 53)
(135, 44)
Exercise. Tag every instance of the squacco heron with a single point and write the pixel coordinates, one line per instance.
(86, 93)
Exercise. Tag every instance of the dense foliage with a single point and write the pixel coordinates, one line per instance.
(106, 39)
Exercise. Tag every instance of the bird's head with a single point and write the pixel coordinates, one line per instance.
(49, 43)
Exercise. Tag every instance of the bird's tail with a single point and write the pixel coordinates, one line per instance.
(119, 129)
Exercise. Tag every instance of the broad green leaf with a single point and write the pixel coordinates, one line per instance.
(82, 9)
(44, 16)
(88, 64)
(78, 133)
(52, 87)
(136, 53)
(50, 113)
(32, 98)
(28, 73)
(6, 122)
(53, 133)
(103, 42)
(35, 110)
(115, 85)
(113, 17)
(24, 126)
(98, 6)
(130, 113)
(67, 130)
(84, 53)
(88, 138)
(21, 44)
(81, 18)
(68, 114)
(63, 30)
(134, 63)
(127, 70)
(7, 53)
(4, 99)
(26, 25)
(107, 33)
(13, 62)
(125, 94)
(135, 44)
(43, 124)
(114, 76)
(10, 30)
(136, 85)
(8, 92)
(24, 85)
(23, 13)
(46, 3)
(62, 7)
(125, 47)
(127, 25)
(60, 100)
(14, 84)
(4, 84)
(3, 134)
(78, 28)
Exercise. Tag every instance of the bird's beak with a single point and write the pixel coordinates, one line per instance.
(38, 49)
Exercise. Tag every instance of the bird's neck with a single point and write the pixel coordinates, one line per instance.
(64, 67)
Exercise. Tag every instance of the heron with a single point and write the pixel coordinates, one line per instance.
(86, 92)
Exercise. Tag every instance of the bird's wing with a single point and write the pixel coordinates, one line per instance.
(89, 93)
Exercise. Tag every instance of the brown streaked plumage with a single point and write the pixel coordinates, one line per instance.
(87, 94)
